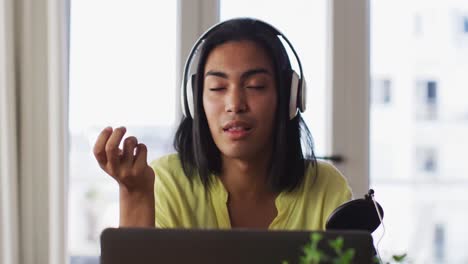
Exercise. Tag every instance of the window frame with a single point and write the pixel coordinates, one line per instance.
(40, 33)
(349, 82)
(9, 244)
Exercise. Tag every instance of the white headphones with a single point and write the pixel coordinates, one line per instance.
(298, 94)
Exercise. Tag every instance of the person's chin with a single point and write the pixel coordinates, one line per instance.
(238, 153)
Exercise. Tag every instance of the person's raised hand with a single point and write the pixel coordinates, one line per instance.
(129, 167)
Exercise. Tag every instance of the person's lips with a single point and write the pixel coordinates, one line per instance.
(237, 129)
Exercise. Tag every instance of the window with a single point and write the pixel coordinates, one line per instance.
(418, 25)
(431, 92)
(439, 243)
(465, 24)
(426, 99)
(122, 73)
(426, 160)
(381, 91)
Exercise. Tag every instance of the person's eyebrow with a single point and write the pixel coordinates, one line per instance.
(251, 72)
(244, 75)
(217, 74)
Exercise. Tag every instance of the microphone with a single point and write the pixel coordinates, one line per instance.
(358, 214)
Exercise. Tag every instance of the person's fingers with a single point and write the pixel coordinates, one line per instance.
(140, 157)
(99, 149)
(129, 146)
(112, 149)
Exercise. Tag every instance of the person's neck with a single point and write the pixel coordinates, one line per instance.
(246, 179)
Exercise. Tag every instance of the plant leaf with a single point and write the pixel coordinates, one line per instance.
(348, 255)
(315, 237)
(399, 258)
(337, 244)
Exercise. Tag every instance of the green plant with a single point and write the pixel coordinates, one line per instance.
(313, 255)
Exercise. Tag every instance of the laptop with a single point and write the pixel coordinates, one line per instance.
(152, 245)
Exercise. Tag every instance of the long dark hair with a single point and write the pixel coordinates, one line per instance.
(292, 141)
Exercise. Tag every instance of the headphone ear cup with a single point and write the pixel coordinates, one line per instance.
(191, 84)
(293, 95)
(303, 96)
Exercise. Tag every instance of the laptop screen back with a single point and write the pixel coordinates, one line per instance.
(141, 245)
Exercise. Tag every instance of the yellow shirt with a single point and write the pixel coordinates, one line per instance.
(182, 205)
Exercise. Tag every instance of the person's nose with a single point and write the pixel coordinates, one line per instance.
(236, 100)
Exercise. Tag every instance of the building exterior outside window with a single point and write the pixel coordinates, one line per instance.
(418, 142)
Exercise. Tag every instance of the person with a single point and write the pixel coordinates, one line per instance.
(244, 156)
